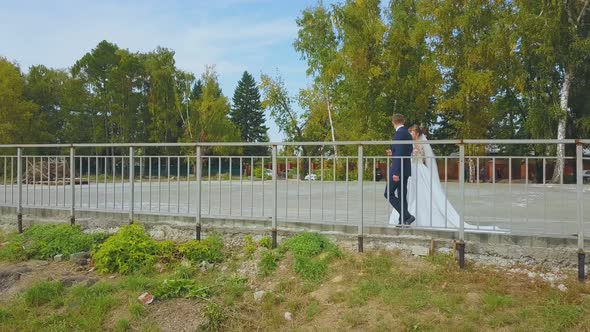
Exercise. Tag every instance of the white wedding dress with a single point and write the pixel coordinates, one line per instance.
(426, 199)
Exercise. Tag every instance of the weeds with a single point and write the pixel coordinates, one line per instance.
(269, 262)
(181, 288)
(312, 252)
(46, 241)
(44, 293)
(209, 250)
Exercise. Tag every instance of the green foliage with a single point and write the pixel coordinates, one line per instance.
(208, 250)
(46, 241)
(309, 244)
(43, 293)
(247, 115)
(181, 288)
(12, 248)
(260, 172)
(215, 317)
(312, 252)
(129, 250)
(269, 262)
(250, 246)
(265, 242)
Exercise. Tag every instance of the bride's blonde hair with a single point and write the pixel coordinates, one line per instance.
(417, 130)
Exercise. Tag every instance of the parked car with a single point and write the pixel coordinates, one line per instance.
(586, 176)
(268, 172)
(310, 177)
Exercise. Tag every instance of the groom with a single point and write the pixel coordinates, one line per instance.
(400, 170)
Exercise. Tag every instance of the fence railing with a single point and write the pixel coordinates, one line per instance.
(342, 183)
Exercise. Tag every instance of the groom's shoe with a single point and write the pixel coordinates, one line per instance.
(409, 220)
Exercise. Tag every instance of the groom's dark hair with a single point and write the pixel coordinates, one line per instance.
(398, 118)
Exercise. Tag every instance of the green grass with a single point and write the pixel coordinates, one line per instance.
(46, 241)
(375, 291)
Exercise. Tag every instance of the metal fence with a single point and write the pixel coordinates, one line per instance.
(490, 192)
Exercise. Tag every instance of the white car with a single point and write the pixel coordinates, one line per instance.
(311, 177)
(586, 176)
(268, 172)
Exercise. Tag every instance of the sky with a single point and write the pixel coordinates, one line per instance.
(233, 35)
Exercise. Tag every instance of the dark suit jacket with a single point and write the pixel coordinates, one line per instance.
(401, 150)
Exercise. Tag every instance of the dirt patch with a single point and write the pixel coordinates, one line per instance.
(16, 277)
(177, 314)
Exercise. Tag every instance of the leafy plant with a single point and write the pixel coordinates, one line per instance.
(210, 249)
(265, 242)
(250, 246)
(269, 262)
(181, 288)
(312, 253)
(131, 249)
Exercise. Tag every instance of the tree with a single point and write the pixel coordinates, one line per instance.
(16, 113)
(555, 44)
(46, 87)
(209, 115)
(247, 115)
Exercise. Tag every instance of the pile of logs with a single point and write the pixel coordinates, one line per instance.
(52, 171)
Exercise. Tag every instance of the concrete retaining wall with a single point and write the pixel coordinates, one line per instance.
(497, 248)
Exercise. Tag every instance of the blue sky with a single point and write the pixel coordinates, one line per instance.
(233, 35)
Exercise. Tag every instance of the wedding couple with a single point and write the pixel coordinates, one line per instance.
(414, 188)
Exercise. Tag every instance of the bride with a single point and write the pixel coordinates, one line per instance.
(426, 198)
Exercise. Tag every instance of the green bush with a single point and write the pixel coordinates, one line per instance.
(265, 242)
(309, 244)
(210, 250)
(46, 241)
(131, 249)
(312, 253)
(43, 293)
(269, 262)
(250, 246)
(258, 173)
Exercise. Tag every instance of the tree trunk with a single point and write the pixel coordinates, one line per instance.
(563, 104)
(332, 131)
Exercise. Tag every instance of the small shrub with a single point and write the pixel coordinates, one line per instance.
(210, 250)
(43, 293)
(312, 253)
(265, 242)
(131, 249)
(269, 262)
(309, 245)
(250, 246)
(181, 288)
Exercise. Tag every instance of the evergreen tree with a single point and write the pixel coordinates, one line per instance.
(247, 114)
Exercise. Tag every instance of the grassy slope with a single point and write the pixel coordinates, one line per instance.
(378, 291)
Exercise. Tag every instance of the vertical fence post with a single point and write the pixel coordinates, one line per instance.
(274, 195)
(580, 210)
(198, 181)
(19, 180)
(73, 185)
(461, 243)
(131, 184)
(361, 196)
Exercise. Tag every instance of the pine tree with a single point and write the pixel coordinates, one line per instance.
(247, 114)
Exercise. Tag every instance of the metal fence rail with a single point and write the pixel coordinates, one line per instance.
(490, 192)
